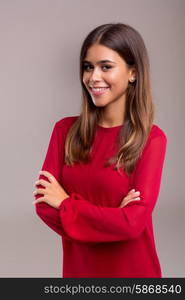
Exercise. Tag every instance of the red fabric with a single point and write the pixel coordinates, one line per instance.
(99, 238)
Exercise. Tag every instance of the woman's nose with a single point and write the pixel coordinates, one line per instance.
(95, 75)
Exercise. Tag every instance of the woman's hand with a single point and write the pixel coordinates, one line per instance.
(53, 192)
(131, 196)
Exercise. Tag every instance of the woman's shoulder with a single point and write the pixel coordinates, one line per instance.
(157, 131)
(66, 122)
(157, 139)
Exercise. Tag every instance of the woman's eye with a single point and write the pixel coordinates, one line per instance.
(88, 67)
(85, 67)
(108, 67)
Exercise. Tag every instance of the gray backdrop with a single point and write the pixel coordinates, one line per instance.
(39, 84)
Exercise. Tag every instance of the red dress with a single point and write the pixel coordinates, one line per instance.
(100, 239)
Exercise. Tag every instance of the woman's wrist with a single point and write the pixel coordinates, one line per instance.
(65, 197)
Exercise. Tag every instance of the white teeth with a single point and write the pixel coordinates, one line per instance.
(99, 89)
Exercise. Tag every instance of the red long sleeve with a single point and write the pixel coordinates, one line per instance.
(47, 213)
(86, 222)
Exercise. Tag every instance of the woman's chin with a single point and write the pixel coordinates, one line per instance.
(99, 103)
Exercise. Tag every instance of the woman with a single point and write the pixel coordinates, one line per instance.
(101, 176)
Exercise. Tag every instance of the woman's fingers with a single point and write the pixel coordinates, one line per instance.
(125, 203)
(48, 175)
(131, 196)
(42, 182)
(41, 199)
(131, 191)
(39, 191)
(53, 193)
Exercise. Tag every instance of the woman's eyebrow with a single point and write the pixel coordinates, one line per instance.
(100, 61)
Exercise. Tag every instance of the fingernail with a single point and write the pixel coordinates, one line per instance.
(133, 190)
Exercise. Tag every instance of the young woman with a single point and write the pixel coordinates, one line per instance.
(101, 176)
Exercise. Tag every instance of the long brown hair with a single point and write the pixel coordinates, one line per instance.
(139, 108)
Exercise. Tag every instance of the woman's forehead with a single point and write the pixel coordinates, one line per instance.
(101, 54)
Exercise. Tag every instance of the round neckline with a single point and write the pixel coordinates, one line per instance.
(107, 129)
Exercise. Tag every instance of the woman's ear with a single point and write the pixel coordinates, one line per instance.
(132, 75)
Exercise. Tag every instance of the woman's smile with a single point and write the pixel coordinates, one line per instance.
(99, 91)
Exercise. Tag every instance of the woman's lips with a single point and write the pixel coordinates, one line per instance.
(99, 91)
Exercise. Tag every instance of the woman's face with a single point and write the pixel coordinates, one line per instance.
(105, 75)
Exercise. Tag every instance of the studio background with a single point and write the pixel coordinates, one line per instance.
(39, 85)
